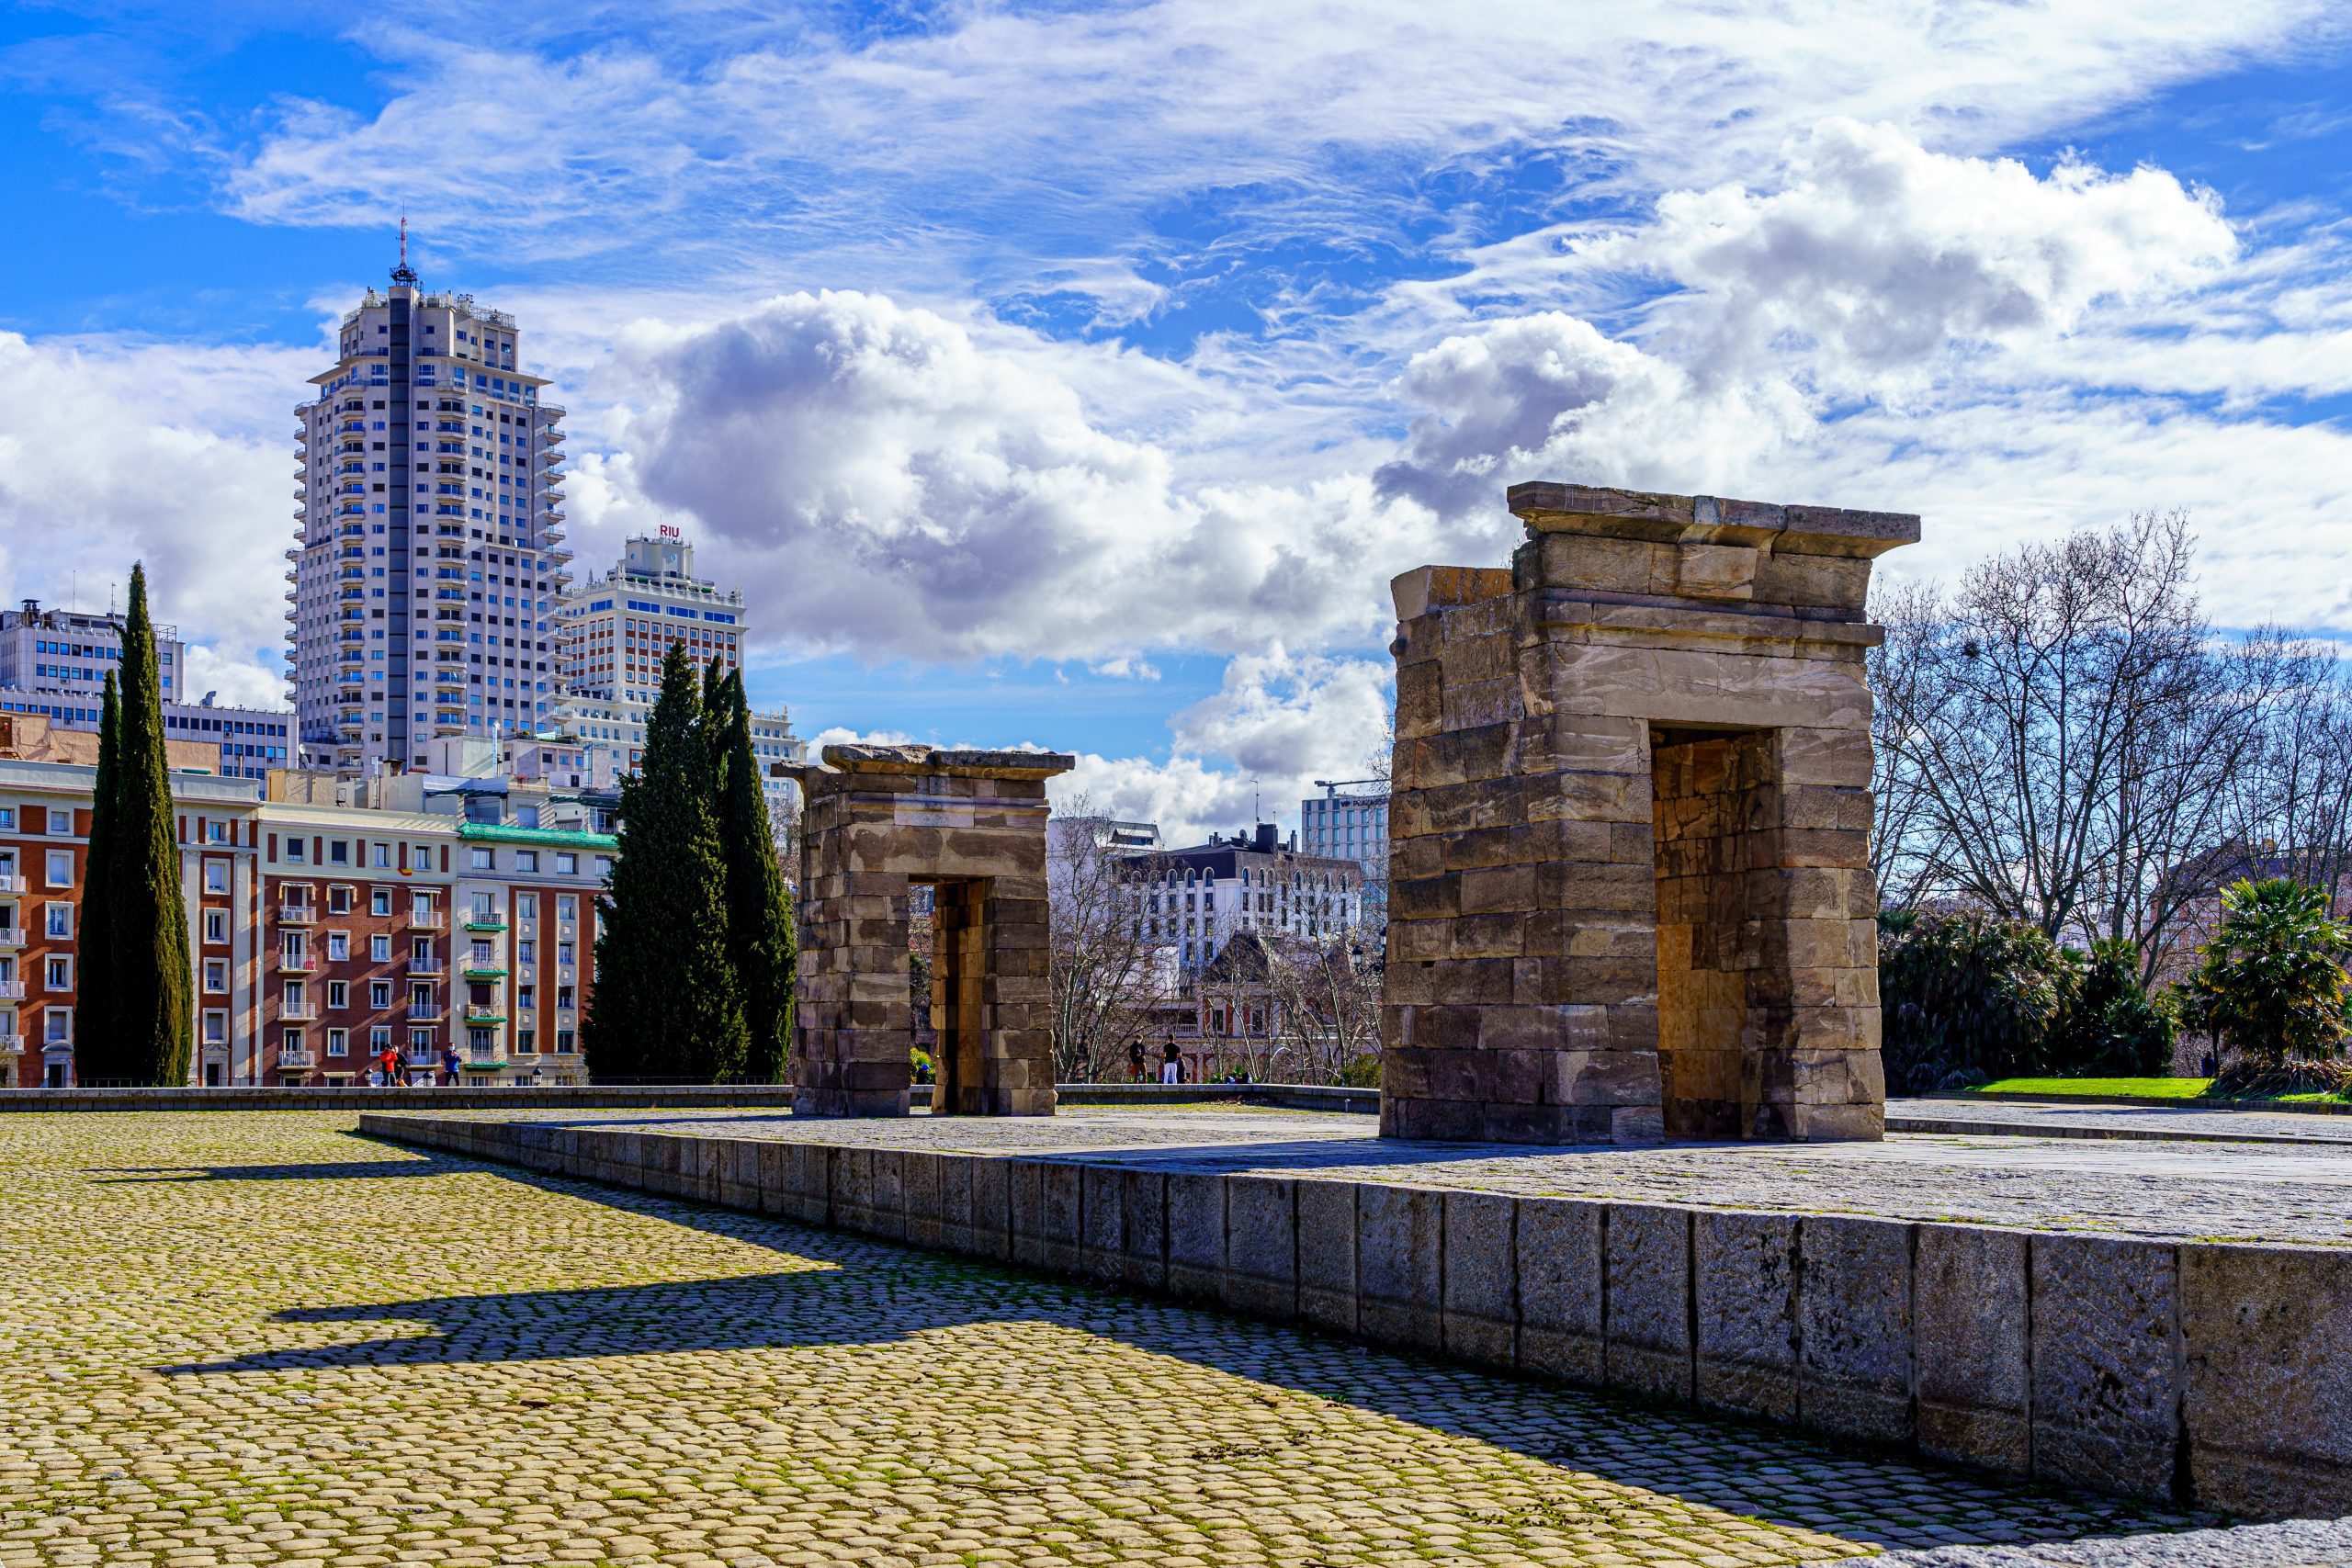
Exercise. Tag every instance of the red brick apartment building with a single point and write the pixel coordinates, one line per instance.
(321, 934)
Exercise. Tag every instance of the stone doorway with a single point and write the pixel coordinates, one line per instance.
(878, 821)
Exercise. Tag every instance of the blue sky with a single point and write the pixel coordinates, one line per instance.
(1079, 375)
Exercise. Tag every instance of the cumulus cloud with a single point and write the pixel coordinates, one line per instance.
(884, 485)
(112, 452)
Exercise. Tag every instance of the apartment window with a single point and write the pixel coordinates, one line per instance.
(527, 951)
(60, 821)
(567, 863)
(526, 999)
(338, 900)
(58, 921)
(8, 819)
(298, 850)
(564, 951)
(338, 946)
(290, 1043)
(59, 868)
(216, 976)
(379, 947)
(479, 955)
(380, 856)
(379, 900)
(339, 852)
(483, 910)
(338, 994)
(563, 997)
(296, 998)
(379, 993)
(604, 865)
(527, 907)
(216, 1026)
(57, 1026)
(338, 1042)
(527, 1041)
(526, 860)
(216, 876)
(380, 1037)
(57, 973)
(481, 860)
(215, 831)
(563, 1040)
(216, 925)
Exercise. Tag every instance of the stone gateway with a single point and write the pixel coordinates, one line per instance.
(878, 820)
(1630, 884)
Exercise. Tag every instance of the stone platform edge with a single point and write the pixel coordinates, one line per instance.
(2208, 1374)
(595, 1096)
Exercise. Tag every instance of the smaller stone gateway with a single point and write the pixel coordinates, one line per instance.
(876, 822)
(1630, 889)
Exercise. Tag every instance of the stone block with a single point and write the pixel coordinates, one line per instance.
(739, 1173)
(1558, 1251)
(1854, 1327)
(852, 1185)
(918, 1194)
(1648, 1332)
(1481, 1277)
(1260, 1246)
(2268, 1401)
(1400, 1234)
(1326, 1254)
(1195, 1236)
(812, 1182)
(2107, 1375)
(888, 1203)
(1745, 1280)
(1969, 1339)
(1103, 1207)
(1143, 1203)
(776, 1171)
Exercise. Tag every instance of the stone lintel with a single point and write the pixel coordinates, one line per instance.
(1646, 618)
(862, 759)
(1549, 507)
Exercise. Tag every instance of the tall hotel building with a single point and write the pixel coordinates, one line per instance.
(431, 488)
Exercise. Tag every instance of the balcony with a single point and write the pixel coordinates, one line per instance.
(299, 1012)
(429, 969)
(12, 990)
(483, 971)
(11, 1043)
(290, 1060)
(425, 1012)
(485, 922)
(11, 883)
(12, 936)
(424, 920)
(296, 914)
(483, 1018)
(297, 963)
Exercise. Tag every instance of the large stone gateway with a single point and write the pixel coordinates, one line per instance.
(1631, 894)
(876, 822)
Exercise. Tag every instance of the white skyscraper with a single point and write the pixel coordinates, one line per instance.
(424, 582)
(612, 633)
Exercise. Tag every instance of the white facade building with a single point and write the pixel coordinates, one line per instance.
(612, 632)
(430, 489)
(1195, 900)
(54, 663)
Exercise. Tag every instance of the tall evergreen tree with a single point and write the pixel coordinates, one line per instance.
(759, 911)
(100, 1054)
(665, 1003)
(147, 924)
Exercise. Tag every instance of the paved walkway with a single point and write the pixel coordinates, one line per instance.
(258, 1339)
(2155, 1121)
(2175, 1191)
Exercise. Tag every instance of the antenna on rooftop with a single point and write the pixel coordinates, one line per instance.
(403, 273)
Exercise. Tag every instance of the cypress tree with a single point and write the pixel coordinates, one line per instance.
(665, 1003)
(759, 911)
(99, 1055)
(147, 926)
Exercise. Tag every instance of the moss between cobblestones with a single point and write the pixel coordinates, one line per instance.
(249, 1339)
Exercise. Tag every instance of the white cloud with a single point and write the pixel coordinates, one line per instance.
(114, 451)
(1279, 722)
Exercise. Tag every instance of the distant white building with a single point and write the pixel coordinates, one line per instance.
(612, 632)
(1195, 900)
(54, 663)
(1347, 827)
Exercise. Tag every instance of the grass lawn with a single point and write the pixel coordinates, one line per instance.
(2135, 1089)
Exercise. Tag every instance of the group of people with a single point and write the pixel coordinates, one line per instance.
(1172, 1065)
(384, 1071)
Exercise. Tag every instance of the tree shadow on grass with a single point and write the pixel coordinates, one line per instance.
(848, 1291)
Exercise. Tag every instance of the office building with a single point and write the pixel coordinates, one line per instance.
(1347, 827)
(429, 477)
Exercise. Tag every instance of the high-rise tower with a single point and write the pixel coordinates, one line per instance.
(431, 524)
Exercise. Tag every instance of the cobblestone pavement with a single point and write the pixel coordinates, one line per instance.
(2176, 1191)
(254, 1339)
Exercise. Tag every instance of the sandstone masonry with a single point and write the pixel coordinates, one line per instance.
(1630, 892)
(972, 825)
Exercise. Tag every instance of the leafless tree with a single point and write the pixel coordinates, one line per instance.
(1324, 996)
(1107, 977)
(2065, 731)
